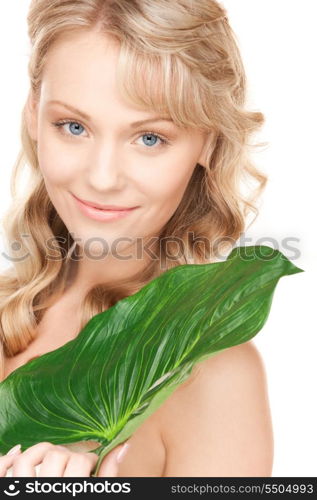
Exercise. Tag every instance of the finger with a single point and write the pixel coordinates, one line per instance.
(80, 465)
(24, 464)
(54, 462)
(109, 466)
(6, 462)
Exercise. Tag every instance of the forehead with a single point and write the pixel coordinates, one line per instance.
(81, 69)
(82, 63)
(108, 78)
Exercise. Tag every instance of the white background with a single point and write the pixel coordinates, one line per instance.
(277, 40)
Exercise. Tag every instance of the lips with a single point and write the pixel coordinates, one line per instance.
(101, 214)
(103, 207)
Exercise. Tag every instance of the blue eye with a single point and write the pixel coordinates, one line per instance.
(150, 137)
(75, 126)
(76, 129)
(150, 142)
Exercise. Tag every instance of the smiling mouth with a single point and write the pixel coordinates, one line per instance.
(102, 214)
(109, 208)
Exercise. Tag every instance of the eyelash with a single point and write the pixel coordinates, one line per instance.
(59, 125)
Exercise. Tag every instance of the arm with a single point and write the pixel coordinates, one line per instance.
(220, 424)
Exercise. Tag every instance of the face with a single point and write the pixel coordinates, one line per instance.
(99, 153)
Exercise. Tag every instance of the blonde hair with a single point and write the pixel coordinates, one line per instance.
(194, 73)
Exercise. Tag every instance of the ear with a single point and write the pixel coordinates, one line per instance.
(31, 112)
(208, 147)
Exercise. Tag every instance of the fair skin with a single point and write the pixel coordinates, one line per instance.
(218, 422)
(220, 425)
(109, 161)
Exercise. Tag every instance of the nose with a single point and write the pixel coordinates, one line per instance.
(104, 169)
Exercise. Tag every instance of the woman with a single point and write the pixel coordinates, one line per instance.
(137, 108)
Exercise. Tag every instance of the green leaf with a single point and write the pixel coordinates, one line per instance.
(128, 359)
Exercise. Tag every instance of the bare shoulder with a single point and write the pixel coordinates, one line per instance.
(218, 422)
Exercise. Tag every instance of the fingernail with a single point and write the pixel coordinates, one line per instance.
(122, 452)
(15, 449)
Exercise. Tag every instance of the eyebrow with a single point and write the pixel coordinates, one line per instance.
(87, 117)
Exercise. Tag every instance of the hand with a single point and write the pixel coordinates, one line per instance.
(48, 460)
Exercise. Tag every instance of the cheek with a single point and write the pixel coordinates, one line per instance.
(57, 164)
(164, 189)
(169, 186)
